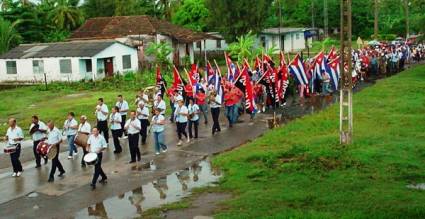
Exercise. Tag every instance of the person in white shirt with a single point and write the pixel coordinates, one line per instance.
(143, 117)
(102, 118)
(115, 119)
(14, 136)
(38, 133)
(158, 127)
(141, 96)
(97, 144)
(54, 138)
(84, 128)
(70, 127)
(180, 116)
(133, 128)
(215, 104)
(160, 104)
(193, 118)
(122, 109)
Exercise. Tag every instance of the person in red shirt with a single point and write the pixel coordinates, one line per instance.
(229, 103)
(202, 103)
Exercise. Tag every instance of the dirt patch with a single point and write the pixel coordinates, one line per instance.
(203, 205)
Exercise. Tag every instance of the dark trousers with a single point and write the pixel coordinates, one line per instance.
(103, 129)
(14, 158)
(144, 130)
(84, 154)
(215, 113)
(181, 129)
(98, 171)
(115, 136)
(37, 155)
(195, 125)
(123, 120)
(56, 164)
(133, 145)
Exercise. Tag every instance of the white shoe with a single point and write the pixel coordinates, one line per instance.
(157, 153)
(19, 174)
(163, 151)
(69, 157)
(14, 174)
(188, 140)
(179, 143)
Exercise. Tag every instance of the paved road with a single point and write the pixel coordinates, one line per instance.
(71, 193)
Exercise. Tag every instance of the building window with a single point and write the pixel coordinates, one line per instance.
(38, 66)
(11, 67)
(218, 43)
(297, 36)
(198, 44)
(126, 61)
(263, 41)
(65, 66)
(88, 65)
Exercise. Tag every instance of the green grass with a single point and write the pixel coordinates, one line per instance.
(301, 171)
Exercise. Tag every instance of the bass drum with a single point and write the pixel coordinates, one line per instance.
(90, 158)
(42, 148)
(81, 140)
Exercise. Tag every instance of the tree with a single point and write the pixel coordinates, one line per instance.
(192, 14)
(126, 7)
(65, 16)
(160, 51)
(98, 8)
(9, 37)
(237, 17)
(243, 47)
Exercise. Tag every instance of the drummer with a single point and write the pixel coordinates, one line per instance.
(54, 138)
(84, 128)
(97, 144)
(14, 136)
(38, 132)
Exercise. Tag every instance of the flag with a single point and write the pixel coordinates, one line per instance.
(194, 75)
(177, 80)
(319, 65)
(332, 54)
(209, 70)
(248, 89)
(160, 82)
(215, 81)
(333, 70)
(296, 68)
(241, 80)
(231, 68)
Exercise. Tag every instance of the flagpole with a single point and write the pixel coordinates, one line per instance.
(218, 68)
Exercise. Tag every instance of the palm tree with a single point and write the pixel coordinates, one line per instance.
(243, 47)
(66, 15)
(160, 51)
(8, 35)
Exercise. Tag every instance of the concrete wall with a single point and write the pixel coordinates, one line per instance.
(210, 45)
(292, 43)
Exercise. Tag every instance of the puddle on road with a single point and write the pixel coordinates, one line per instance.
(168, 189)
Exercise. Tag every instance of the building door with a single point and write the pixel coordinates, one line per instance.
(109, 67)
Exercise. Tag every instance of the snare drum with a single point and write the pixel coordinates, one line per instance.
(81, 140)
(10, 149)
(90, 158)
(46, 150)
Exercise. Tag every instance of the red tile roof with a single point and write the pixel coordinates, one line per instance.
(121, 26)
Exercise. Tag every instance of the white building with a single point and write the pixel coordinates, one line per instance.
(209, 45)
(67, 61)
(287, 39)
(139, 31)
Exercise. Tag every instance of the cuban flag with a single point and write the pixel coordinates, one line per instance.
(319, 66)
(215, 80)
(232, 72)
(334, 72)
(296, 68)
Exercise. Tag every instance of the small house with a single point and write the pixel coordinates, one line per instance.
(286, 39)
(139, 31)
(67, 61)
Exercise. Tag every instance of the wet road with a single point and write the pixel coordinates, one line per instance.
(70, 196)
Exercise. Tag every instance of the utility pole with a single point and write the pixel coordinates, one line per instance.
(406, 11)
(346, 93)
(325, 18)
(280, 24)
(376, 14)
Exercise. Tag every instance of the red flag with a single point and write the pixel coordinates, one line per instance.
(194, 75)
(257, 64)
(210, 70)
(177, 81)
(249, 90)
(159, 78)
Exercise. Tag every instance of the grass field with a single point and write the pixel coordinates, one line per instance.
(22, 103)
(301, 171)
